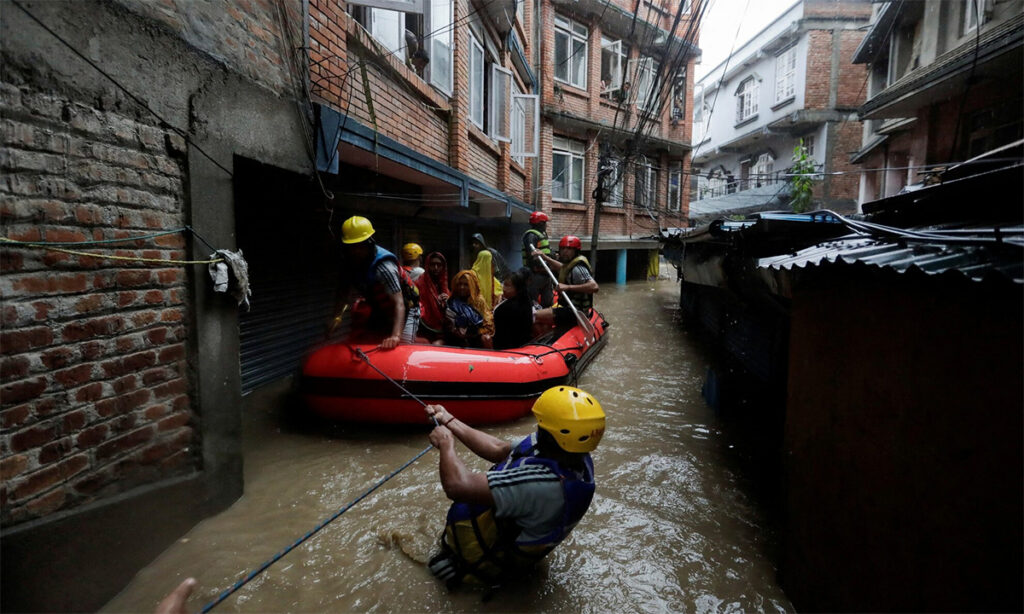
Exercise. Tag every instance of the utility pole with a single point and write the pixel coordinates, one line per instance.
(604, 170)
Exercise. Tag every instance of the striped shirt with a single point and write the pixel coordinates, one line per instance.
(531, 495)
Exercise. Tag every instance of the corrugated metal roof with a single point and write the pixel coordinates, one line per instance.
(972, 261)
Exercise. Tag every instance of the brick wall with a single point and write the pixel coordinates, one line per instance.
(819, 69)
(246, 35)
(94, 396)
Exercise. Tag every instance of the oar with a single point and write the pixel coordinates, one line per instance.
(589, 334)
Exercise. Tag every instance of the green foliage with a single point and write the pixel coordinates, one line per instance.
(801, 182)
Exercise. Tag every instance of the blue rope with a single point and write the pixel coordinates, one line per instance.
(252, 574)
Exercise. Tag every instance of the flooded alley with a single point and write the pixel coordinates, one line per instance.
(671, 528)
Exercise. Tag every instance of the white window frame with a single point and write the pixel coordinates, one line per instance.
(675, 184)
(746, 99)
(390, 34)
(573, 151)
(645, 74)
(568, 33)
(613, 183)
(614, 49)
(973, 15)
(499, 109)
(763, 168)
(809, 145)
(477, 62)
(440, 45)
(524, 106)
(521, 12)
(785, 74)
(645, 191)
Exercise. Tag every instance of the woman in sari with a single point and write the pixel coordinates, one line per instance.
(433, 286)
(467, 320)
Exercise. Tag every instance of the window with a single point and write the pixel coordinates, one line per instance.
(645, 75)
(675, 186)
(525, 124)
(440, 45)
(763, 168)
(521, 11)
(785, 74)
(974, 14)
(517, 126)
(567, 169)
(679, 95)
(570, 52)
(388, 27)
(809, 144)
(746, 100)
(611, 180)
(645, 192)
(476, 82)
(613, 55)
(501, 90)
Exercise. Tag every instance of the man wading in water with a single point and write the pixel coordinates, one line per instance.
(502, 522)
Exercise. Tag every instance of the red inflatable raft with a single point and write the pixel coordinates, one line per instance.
(477, 386)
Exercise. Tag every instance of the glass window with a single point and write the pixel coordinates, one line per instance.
(746, 100)
(388, 27)
(611, 178)
(567, 169)
(785, 74)
(613, 56)
(645, 74)
(501, 89)
(525, 124)
(476, 82)
(570, 52)
(973, 14)
(675, 183)
(517, 126)
(440, 45)
(646, 188)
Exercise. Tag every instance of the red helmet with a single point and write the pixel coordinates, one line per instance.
(571, 241)
(538, 216)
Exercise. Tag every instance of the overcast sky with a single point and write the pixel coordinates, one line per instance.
(722, 20)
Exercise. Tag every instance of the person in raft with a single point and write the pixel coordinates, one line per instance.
(513, 317)
(504, 521)
(433, 287)
(389, 295)
(468, 321)
(575, 281)
(411, 253)
(535, 238)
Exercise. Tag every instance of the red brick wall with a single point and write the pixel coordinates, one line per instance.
(94, 397)
(819, 69)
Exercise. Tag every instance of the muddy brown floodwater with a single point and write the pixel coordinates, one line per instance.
(671, 528)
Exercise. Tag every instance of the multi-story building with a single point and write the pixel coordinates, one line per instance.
(495, 109)
(945, 85)
(792, 82)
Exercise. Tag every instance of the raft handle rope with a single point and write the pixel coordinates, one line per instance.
(252, 574)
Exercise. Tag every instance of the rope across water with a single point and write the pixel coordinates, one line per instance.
(257, 571)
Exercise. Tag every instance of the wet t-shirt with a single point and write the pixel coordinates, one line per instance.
(530, 494)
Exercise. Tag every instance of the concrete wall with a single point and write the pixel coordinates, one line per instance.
(120, 378)
(903, 448)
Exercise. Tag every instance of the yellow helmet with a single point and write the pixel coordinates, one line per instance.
(411, 251)
(356, 229)
(573, 417)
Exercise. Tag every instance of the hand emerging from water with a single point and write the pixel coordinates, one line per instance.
(174, 602)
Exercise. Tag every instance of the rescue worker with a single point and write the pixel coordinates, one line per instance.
(575, 280)
(535, 239)
(392, 298)
(411, 253)
(504, 521)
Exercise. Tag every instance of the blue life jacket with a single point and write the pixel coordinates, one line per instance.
(487, 549)
(376, 293)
